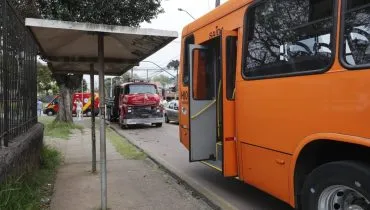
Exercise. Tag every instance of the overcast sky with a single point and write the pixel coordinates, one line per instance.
(174, 20)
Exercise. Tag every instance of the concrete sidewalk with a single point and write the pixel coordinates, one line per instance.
(132, 184)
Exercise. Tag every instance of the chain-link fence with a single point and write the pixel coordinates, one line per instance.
(18, 76)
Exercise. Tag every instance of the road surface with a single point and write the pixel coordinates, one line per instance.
(164, 143)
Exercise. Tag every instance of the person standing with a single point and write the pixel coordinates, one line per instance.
(39, 107)
(79, 109)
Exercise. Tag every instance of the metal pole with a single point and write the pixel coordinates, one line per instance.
(6, 76)
(93, 137)
(132, 74)
(111, 88)
(82, 90)
(147, 75)
(103, 166)
(217, 3)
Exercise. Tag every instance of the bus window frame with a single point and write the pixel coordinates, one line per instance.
(192, 79)
(231, 65)
(185, 54)
(342, 43)
(333, 40)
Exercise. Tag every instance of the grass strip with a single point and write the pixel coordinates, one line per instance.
(27, 191)
(125, 148)
(58, 129)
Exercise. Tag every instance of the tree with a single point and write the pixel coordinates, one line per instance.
(84, 87)
(174, 64)
(66, 83)
(114, 12)
(164, 80)
(45, 82)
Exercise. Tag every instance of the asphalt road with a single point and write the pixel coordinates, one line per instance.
(164, 143)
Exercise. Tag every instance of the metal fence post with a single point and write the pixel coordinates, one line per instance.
(6, 74)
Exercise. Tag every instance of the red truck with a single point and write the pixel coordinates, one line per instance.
(53, 106)
(137, 103)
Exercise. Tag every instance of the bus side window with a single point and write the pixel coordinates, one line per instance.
(202, 76)
(186, 67)
(356, 33)
(289, 37)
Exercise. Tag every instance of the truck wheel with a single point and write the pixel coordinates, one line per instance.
(337, 185)
(166, 119)
(50, 113)
(88, 113)
(158, 125)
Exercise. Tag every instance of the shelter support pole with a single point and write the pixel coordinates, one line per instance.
(93, 137)
(103, 157)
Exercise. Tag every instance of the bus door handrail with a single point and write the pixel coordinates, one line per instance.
(203, 110)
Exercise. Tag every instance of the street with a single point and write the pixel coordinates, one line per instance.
(164, 143)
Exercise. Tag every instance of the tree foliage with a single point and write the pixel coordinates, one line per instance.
(173, 64)
(164, 80)
(83, 87)
(113, 12)
(46, 84)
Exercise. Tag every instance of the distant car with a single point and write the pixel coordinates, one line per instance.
(172, 111)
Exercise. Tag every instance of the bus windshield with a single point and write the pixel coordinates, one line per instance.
(136, 89)
(357, 32)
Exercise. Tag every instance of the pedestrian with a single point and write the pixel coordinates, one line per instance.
(79, 109)
(39, 107)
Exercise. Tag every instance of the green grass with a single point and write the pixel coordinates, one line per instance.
(25, 192)
(123, 147)
(58, 129)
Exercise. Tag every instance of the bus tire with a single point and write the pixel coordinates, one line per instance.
(332, 185)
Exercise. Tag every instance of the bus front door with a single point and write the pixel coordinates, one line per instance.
(202, 102)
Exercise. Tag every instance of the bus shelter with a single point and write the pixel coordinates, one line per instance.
(85, 48)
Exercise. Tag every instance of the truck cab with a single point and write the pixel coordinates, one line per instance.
(137, 103)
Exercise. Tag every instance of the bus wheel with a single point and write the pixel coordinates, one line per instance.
(337, 185)
(158, 125)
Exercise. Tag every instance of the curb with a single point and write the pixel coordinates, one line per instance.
(208, 196)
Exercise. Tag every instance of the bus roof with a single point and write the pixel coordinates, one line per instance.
(214, 15)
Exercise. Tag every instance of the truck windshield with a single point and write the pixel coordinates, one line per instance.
(135, 89)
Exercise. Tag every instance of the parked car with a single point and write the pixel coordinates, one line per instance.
(172, 111)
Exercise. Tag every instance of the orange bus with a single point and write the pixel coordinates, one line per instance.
(277, 94)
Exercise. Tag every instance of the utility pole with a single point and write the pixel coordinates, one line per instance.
(93, 137)
(103, 157)
(217, 3)
(111, 87)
